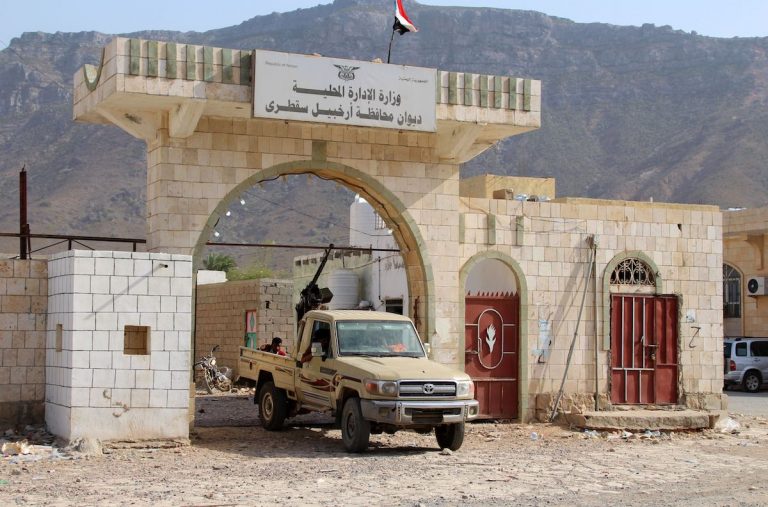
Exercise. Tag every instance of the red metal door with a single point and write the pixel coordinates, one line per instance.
(644, 349)
(492, 352)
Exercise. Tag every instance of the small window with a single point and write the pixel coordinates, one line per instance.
(633, 271)
(394, 306)
(59, 337)
(136, 340)
(379, 223)
(741, 349)
(758, 349)
(731, 292)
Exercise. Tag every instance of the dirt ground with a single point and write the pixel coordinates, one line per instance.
(233, 461)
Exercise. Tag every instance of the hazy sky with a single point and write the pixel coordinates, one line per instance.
(744, 18)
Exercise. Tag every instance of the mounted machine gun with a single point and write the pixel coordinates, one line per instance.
(312, 296)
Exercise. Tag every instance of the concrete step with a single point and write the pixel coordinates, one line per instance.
(640, 420)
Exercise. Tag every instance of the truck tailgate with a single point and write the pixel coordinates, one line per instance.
(253, 361)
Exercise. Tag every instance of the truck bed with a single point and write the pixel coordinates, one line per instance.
(253, 361)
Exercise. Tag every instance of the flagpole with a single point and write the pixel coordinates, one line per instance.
(389, 51)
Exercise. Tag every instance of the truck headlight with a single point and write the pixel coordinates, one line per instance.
(381, 387)
(465, 388)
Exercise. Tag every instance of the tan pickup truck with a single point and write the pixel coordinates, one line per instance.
(370, 370)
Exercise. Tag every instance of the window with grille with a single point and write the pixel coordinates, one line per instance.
(379, 223)
(633, 271)
(394, 306)
(731, 292)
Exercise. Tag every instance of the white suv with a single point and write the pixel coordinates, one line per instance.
(746, 362)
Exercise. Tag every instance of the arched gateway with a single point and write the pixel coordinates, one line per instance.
(218, 120)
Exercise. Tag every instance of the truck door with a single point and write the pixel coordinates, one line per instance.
(315, 377)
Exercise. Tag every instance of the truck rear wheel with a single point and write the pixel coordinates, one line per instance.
(355, 431)
(273, 407)
(450, 436)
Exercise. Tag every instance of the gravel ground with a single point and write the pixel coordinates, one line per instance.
(233, 461)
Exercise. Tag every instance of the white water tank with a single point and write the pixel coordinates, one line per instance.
(343, 283)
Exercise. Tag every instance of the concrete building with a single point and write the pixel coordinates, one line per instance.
(636, 287)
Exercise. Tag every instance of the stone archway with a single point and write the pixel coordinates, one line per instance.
(519, 300)
(386, 204)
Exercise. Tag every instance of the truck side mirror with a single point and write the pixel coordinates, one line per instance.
(428, 349)
(317, 349)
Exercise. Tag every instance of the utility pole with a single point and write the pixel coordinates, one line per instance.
(24, 239)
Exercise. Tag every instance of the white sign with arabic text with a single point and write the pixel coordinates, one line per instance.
(329, 90)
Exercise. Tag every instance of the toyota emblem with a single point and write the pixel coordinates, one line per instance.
(428, 388)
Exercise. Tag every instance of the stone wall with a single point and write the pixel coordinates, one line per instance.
(220, 316)
(118, 345)
(547, 244)
(23, 308)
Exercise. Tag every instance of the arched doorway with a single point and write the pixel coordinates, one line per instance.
(492, 336)
(386, 204)
(643, 334)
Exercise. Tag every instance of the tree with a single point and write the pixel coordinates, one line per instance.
(219, 262)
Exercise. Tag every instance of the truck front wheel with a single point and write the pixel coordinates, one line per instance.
(355, 431)
(450, 436)
(273, 407)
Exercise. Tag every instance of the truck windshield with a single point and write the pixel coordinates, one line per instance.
(378, 338)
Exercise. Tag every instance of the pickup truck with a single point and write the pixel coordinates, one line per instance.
(368, 369)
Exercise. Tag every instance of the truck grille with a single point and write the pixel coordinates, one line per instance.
(422, 388)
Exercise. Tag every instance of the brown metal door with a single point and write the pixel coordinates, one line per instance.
(643, 349)
(492, 353)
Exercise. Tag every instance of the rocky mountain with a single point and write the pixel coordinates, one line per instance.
(628, 112)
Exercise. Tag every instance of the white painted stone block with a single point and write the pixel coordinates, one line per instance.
(159, 286)
(179, 361)
(180, 380)
(118, 284)
(81, 284)
(181, 287)
(81, 359)
(137, 285)
(163, 268)
(125, 379)
(82, 377)
(144, 379)
(128, 319)
(120, 360)
(103, 378)
(185, 340)
(142, 267)
(123, 267)
(103, 302)
(83, 266)
(162, 380)
(126, 303)
(149, 320)
(168, 304)
(82, 303)
(158, 398)
(165, 321)
(182, 322)
(157, 341)
(100, 397)
(178, 398)
(140, 362)
(149, 303)
(81, 396)
(101, 359)
(183, 304)
(183, 269)
(106, 321)
(159, 360)
(104, 266)
(171, 341)
(140, 398)
(83, 321)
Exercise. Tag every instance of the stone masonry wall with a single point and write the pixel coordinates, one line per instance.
(220, 316)
(23, 309)
(118, 345)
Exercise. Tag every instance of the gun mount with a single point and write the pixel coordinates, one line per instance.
(312, 296)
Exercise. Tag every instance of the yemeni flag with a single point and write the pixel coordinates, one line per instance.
(402, 21)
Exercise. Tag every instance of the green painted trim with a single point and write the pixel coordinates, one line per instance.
(497, 92)
(462, 227)
(519, 230)
(512, 93)
(245, 67)
(152, 58)
(134, 60)
(191, 63)
(207, 63)
(92, 74)
(226, 66)
(483, 90)
(438, 87)
(468, 96)
(522, 289)
(606, 303)
(453, 83)
(527, 95)
(491, 219)
(170, 60)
